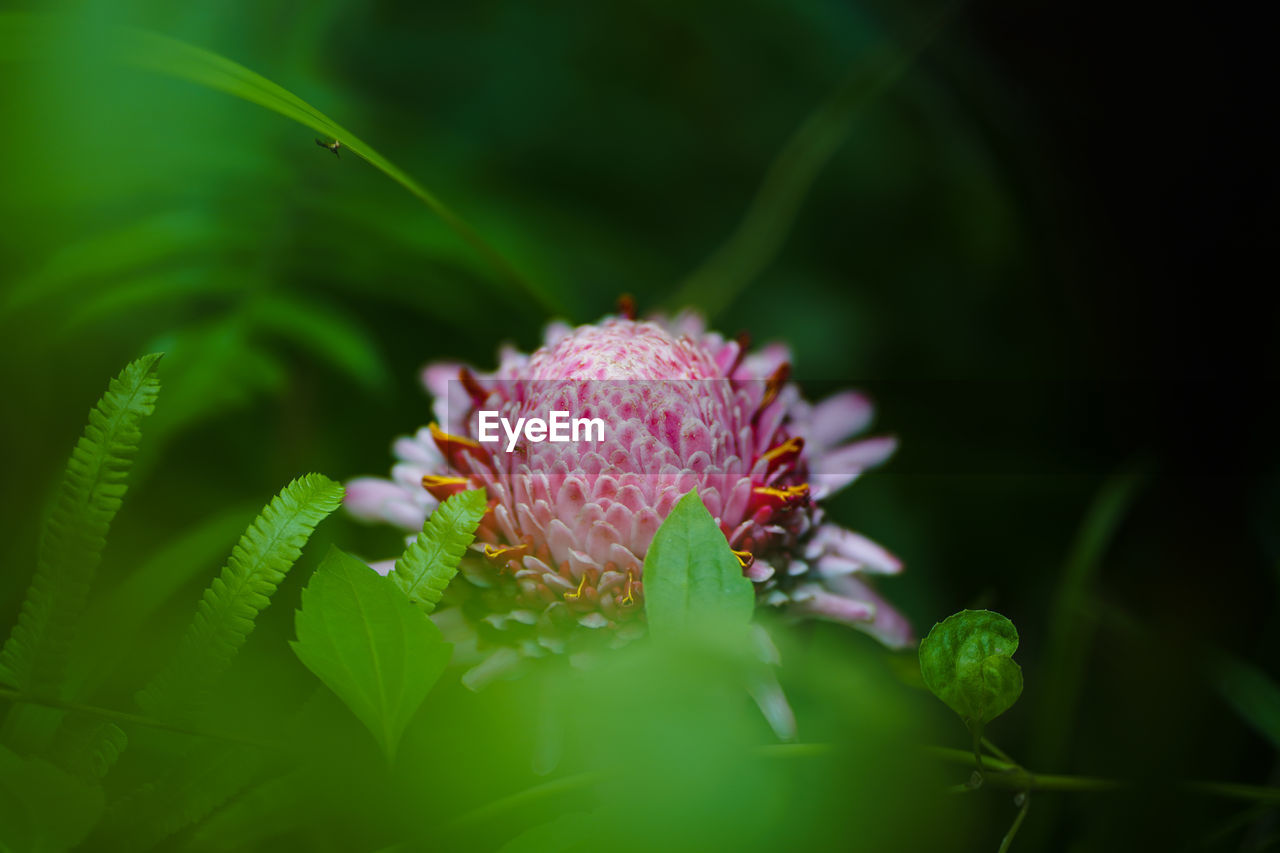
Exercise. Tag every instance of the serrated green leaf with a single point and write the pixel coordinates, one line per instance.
(35, 656)
(691, 577)
(378, 652)
(427, 566)
(229, 606)
(967, 661)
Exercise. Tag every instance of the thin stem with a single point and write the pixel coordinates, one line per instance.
(960, 756)
(1021, 780)
(1011, 775)
(127, 718)
(1017, 824)
(1230, 790)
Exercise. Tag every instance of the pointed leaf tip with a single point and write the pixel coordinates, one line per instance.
(691, 577)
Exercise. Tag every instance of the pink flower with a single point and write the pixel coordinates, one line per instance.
(562, 548)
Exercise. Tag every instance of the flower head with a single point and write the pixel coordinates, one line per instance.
(562, 548)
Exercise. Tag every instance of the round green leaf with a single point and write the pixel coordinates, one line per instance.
(967, 661)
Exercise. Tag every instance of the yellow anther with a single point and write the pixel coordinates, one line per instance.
(792, 445)
(745, 558)
(577, 593)
(443, 438)
(628, 598)
(434, 481)
(785, 493)
(500, 552)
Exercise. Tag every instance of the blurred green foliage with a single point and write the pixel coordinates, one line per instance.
(599, 150)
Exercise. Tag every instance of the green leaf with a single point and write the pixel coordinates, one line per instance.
(1253, 695)
(225, 615)
(378, 652)
(967, 661)
(75, 533)
(691, 577)
(427, 566)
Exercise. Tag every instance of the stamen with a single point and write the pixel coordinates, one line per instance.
(628, 597)
(577, 593)
(473, 386)
(443, 439)
(774, 384)
(441, 487)
(627, 306)
(505, 552)
(745, 558)
(792, 445)
(786, 493)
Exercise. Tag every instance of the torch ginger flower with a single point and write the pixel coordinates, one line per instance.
(562, 547)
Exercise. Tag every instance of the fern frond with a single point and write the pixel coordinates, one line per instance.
(225, 615)
(427, 566)
(87, 747)
(34, 658)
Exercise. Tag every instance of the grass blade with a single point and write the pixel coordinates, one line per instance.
(768, 219)
(31, 37)
(1072, 619)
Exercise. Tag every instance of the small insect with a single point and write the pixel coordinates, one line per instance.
(332, 146)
